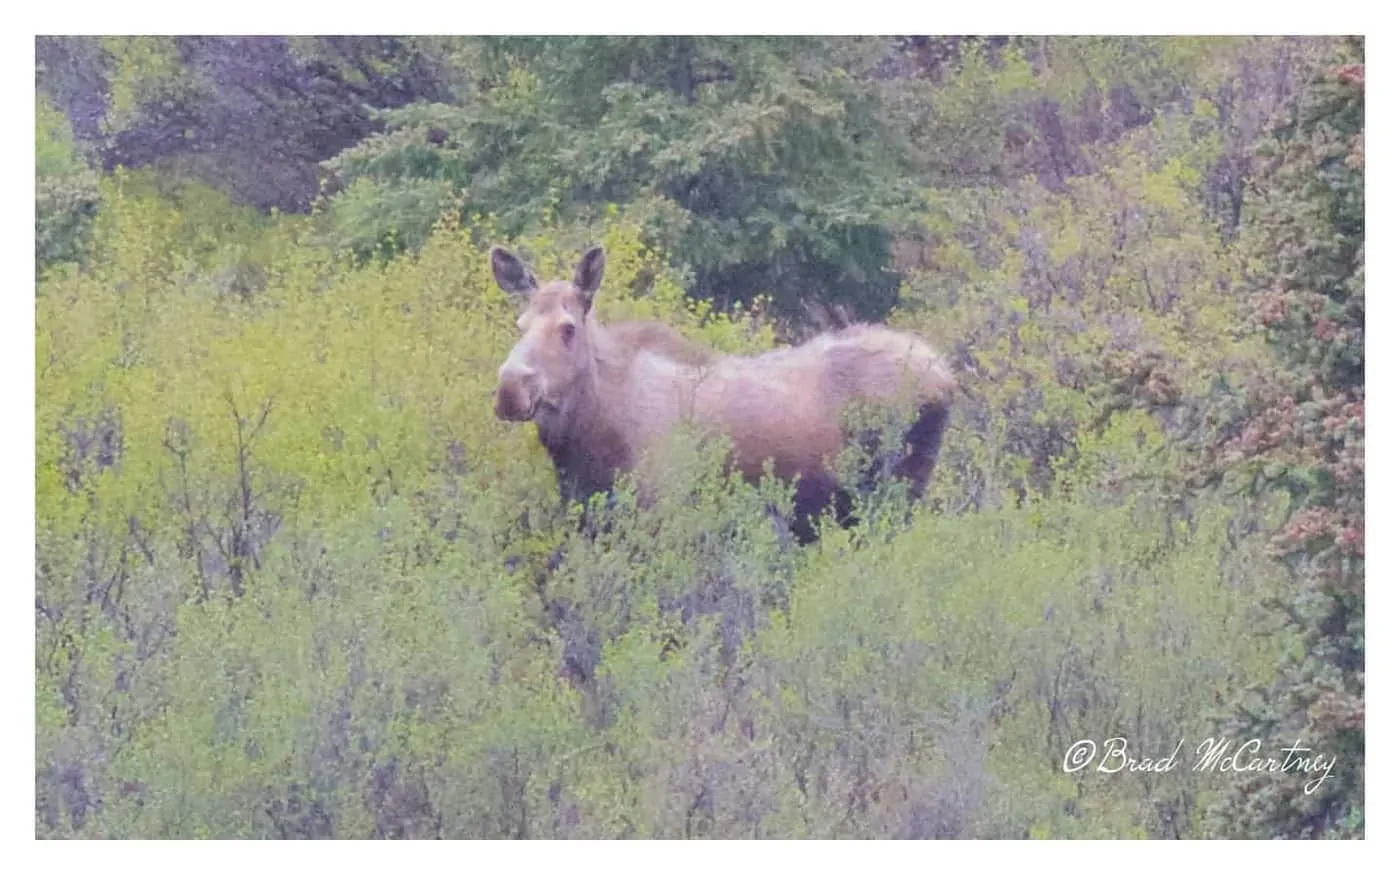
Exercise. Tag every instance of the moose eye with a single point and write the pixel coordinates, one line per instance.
(567, 332)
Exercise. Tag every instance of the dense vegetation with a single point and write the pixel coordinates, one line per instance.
(295, 580)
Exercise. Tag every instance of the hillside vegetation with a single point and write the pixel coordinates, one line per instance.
(294, 579)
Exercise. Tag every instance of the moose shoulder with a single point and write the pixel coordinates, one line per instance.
(602, 395)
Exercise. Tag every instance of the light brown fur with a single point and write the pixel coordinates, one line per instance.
(603, 396)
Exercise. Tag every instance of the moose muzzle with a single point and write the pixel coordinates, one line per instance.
(517, 393)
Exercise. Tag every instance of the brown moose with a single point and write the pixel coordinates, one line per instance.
(601, 396)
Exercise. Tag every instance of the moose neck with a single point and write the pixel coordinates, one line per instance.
(585, 445)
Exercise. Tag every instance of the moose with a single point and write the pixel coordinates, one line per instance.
(603, 396)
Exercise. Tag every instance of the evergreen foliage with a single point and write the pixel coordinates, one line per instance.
(1302, 432)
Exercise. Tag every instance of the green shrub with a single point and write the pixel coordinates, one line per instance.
(65, 191)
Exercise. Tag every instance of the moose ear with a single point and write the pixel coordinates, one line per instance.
(589, 274)
(511, 273)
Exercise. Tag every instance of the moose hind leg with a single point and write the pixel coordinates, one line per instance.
(814, 492)
(922, 442)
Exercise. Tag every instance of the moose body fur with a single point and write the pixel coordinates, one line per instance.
(603, 396)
